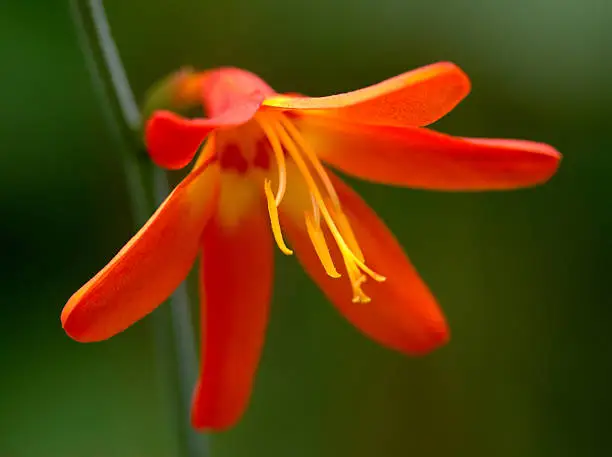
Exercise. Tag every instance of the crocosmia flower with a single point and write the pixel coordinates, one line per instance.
(260, 177)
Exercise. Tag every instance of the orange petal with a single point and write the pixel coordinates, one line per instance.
(416, 98)
(422, 158)
(149, 267)
(227, 87)
(236, 281)
(172, 140)
(403, 314)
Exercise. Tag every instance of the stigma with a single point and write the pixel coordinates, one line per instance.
(265, 160)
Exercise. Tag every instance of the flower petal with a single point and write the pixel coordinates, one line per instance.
(424, 159)
(403, 314)
(236, 281)
(149, 267)
(416, 98)
(172, 140)
(228, 87)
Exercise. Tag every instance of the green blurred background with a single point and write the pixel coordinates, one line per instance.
(523, 276)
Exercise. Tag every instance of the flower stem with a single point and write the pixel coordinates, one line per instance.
(148, 187)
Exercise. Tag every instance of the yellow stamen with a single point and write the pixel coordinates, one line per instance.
(357, 280)
(315, 211)
(277, 148)
(311, 156)
(320, 246)
(284, 136)
(354, 263)
(310, 182)
(347, 232)
(276, 228)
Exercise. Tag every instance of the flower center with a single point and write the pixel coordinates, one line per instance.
(283, 144)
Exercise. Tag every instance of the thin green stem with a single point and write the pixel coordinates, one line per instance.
(148, 187)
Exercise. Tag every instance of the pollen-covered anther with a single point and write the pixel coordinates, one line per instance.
(284, 136)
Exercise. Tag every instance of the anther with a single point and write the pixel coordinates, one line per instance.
(273, 211)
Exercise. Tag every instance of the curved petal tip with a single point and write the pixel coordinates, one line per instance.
(416, 98)
(435, 334)
(149, 267)
(71, 326)
(172, 140)
(532, 163)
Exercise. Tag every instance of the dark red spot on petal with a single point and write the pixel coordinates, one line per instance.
(262, 154)
(231, 158)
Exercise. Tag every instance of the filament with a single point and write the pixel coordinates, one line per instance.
(312, 157)
(318, 241)
(295, 155)
(315, 211)
(284, 136)
(273, 211)
(277, 148)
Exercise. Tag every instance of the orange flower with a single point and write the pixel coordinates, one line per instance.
(262, 167)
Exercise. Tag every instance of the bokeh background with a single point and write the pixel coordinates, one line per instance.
(523, 276)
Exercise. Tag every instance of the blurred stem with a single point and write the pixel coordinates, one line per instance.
(148, 187)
